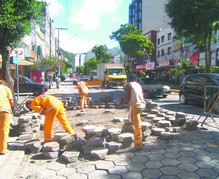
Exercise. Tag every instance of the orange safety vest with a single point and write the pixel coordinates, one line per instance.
(82, 87)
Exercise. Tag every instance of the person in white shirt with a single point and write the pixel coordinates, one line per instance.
(134, 96)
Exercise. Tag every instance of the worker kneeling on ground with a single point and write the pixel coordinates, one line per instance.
(83, 91)
(51, 107)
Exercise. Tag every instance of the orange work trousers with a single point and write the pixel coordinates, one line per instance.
(4, 131)
(59, 113)
(137, 127)
(83, 100)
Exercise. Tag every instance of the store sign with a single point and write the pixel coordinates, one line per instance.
(140, 67)
(19, 52)
(150, 66)
(164, 63)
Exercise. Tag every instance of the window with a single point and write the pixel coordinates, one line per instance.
(162, 52)
(158, 53)
(169, 36)
(158, 41)
(162, 39)
(168, 50)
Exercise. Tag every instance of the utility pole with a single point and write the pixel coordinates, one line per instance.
(59, 53)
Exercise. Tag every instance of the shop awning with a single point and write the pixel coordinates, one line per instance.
(21, 62)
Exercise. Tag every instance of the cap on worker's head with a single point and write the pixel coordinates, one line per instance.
(28, 103)
(132, 77)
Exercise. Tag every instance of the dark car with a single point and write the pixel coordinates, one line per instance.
(152, 89)
(193, 86)
(26, 85)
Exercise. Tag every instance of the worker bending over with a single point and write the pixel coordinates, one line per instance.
(51, 107)
(83, 92)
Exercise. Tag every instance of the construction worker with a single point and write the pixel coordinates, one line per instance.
(51, 107)
(83, 92)
(136, 101)
(6, 101)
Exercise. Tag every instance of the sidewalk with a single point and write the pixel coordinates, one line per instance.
(193, 155)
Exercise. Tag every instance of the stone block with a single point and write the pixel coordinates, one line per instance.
(50, 147)
(163, 124)
(168, 135)
(113, 147)
(191, 125)
(126, 139)
(146, 126)
(76, 145)
(50, 155)
(32, 146)
(95, 142)
(127, 129)
(16, 145)
(59, 135)
(101, 131)
(25, 137)
(99, 154)
(70, 156)
(24, 119)
(157, 131)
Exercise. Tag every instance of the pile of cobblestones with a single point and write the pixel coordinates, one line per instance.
(99, 141)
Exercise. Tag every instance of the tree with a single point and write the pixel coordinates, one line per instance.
(132, 42)
(101, 53)
(16, 18)
(90, 65)
(195, 19)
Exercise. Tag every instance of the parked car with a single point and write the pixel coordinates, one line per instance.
(26, 85)
(193, 86)
(84, 78)
(152, 89)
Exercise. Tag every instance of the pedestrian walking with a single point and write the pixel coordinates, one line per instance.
(136, 101)
(6, 102)
(50, 79)
(58, 79)
(52, 108)
(83, 92)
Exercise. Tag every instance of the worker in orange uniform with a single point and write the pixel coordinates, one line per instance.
(51, 107)
(83, 91)
(6, 101)
(136, 101)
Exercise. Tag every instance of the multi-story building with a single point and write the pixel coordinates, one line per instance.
(149, 16)
(165, 49)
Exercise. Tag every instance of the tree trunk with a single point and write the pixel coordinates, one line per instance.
(6, 71)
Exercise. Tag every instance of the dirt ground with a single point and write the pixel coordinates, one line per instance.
(97, 117)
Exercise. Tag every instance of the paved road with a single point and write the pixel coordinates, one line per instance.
(195, 154)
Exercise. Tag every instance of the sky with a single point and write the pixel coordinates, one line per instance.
(87, 23)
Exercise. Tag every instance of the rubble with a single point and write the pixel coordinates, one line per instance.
(99, 141)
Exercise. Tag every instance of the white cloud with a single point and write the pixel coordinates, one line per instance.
(54, 7)
(75, 43)
(89, 15)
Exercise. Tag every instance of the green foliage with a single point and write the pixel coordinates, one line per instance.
(136, 45)
(90, 65)
(50, 64)
(101, 53)
(125, 29)
(142, 73)
(215, 69)
(80, 69)
(16, 18)
(132, 42)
